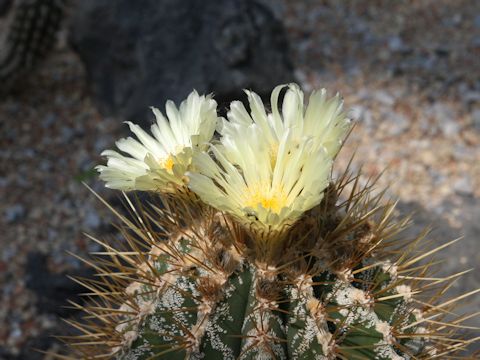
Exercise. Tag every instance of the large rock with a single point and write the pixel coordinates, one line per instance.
(54, 289)
(141, 53)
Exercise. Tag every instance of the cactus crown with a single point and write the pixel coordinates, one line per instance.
(200, 278)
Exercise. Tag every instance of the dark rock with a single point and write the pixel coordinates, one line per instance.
(5, 355)
(52, 289)
(5, 6)
(139, 54)
(33, 348)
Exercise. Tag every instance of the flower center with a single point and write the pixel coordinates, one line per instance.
(270, 200)
(167, 163)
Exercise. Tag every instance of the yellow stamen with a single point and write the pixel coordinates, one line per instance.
(270, 200)
(168, 163)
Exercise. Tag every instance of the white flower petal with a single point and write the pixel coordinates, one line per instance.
(271, 168)
(159, 162)
(132, 147)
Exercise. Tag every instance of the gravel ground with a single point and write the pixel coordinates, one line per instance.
(51, 137)
(408, 70)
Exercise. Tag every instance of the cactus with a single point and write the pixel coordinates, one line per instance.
(198, 279)
(31, 35)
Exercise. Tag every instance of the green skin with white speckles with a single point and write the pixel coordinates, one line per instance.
(240, 326)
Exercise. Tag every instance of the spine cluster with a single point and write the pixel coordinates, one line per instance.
(198, 291)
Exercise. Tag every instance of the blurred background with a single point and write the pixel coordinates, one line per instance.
(72, 71)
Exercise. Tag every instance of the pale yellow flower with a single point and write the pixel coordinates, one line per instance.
(159, 162)
(244, 182)
(322, 119)
(270, 168)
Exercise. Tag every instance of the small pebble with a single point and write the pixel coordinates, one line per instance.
(91, 220)
(14, 213)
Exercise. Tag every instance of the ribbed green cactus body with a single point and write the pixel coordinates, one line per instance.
(31, 36)
(198, 312)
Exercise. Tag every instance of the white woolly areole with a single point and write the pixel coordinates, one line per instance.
(144, 267)
(197, 332)
(304, 284)
(317, 310)
(355, 304)
(359, 297)
(390, 268)
(133, 288)
(345, 275)
(260, 338)
(405, 291)
(432, 351)
(324, 337)
(120, 328)
(267, 272)
(347, 297)
(418, 314)
(126, 308)
(146, 308)
(129, 337)
(265, 304)
(421, 330)
(384, 328)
